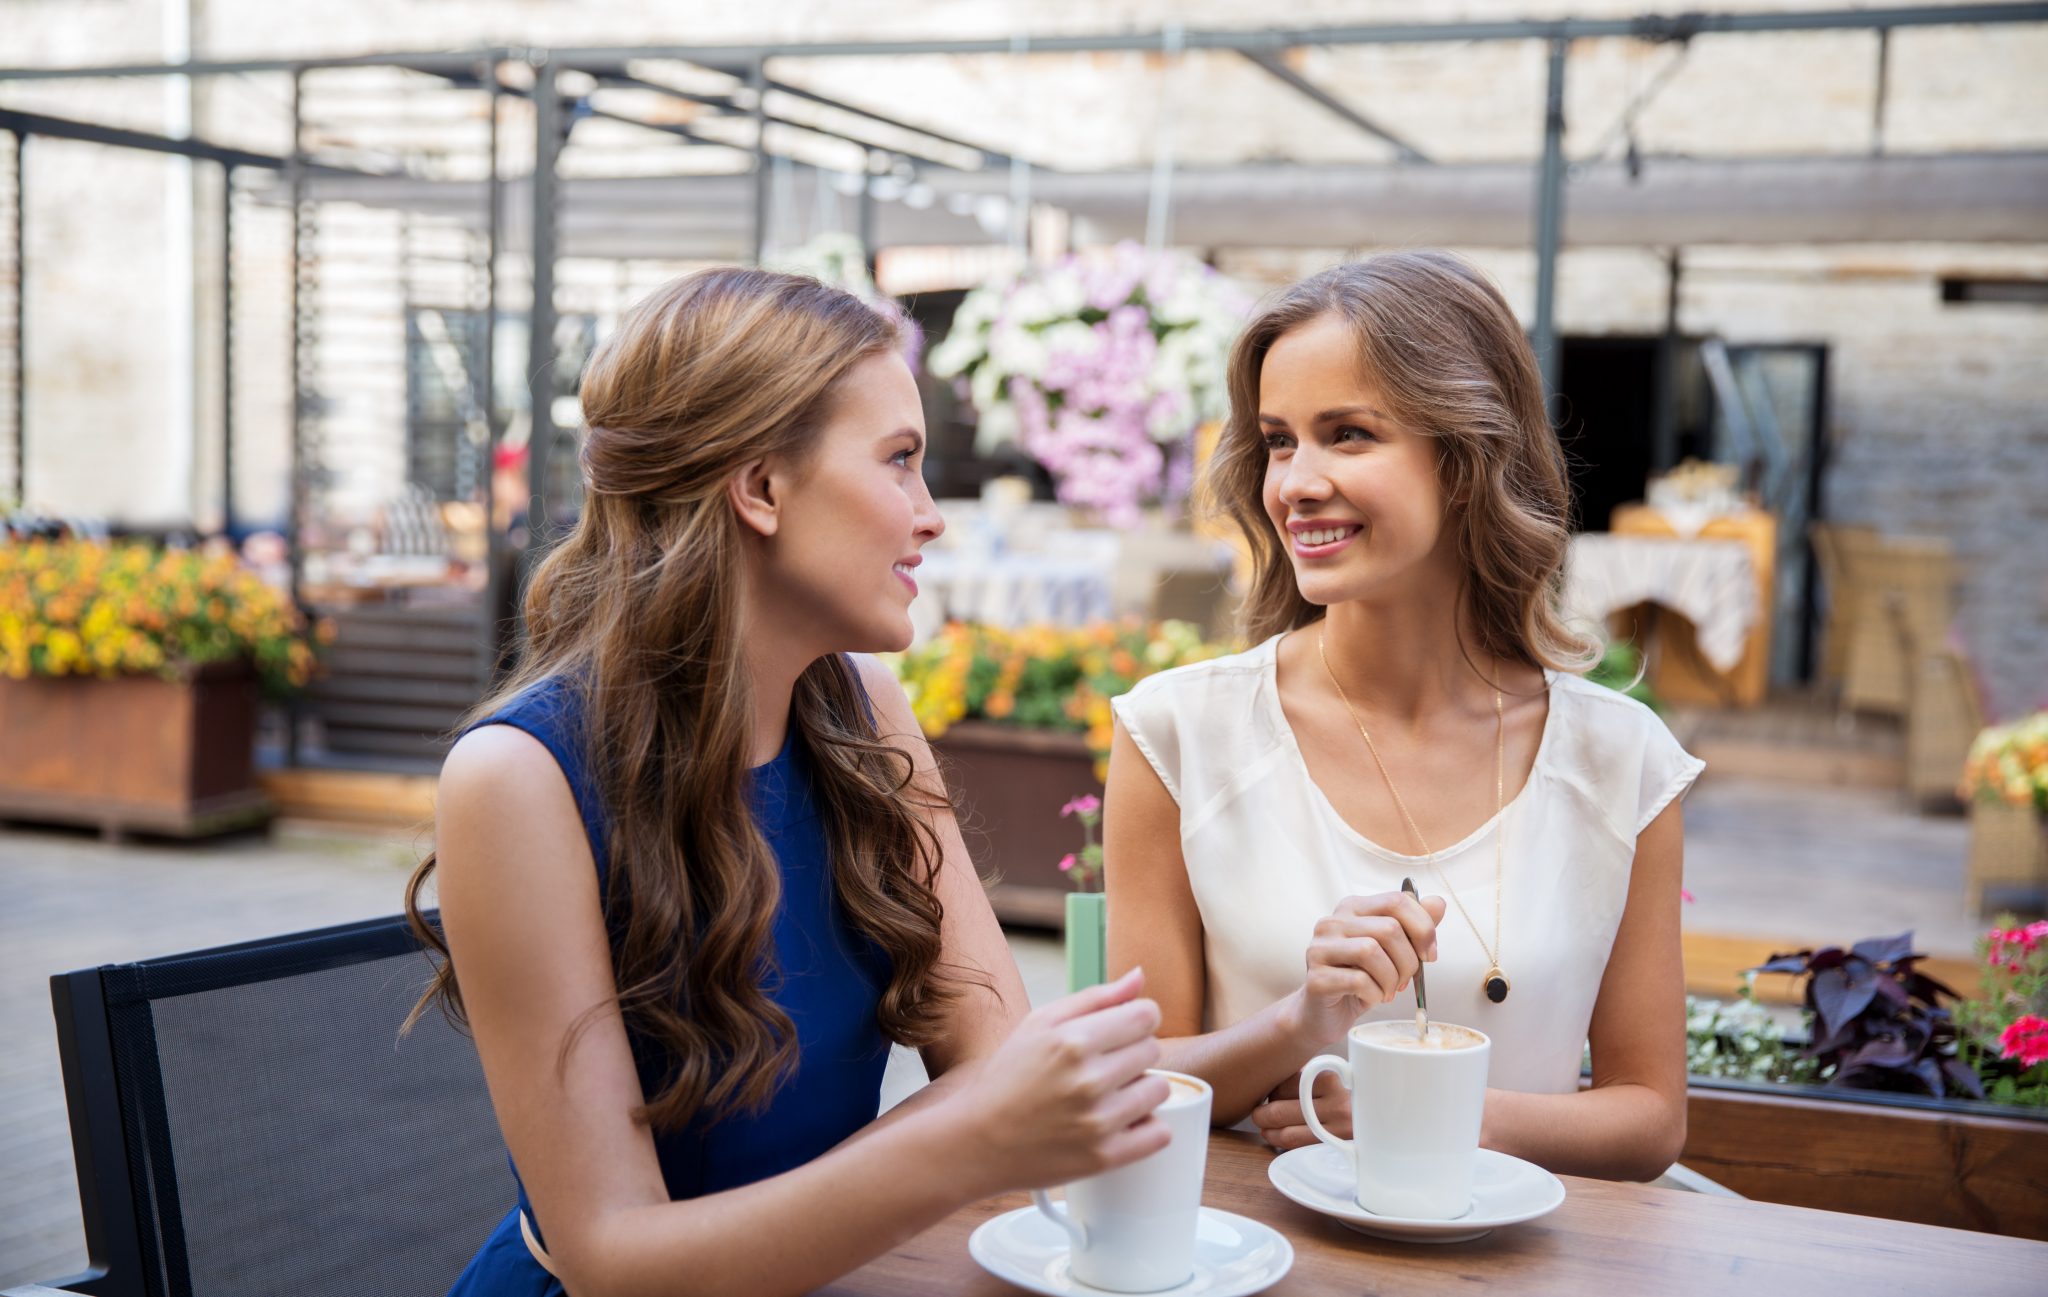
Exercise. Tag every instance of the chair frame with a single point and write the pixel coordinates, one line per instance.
(122, 1186)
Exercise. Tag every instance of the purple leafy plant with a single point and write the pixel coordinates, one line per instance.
(1878, 1021)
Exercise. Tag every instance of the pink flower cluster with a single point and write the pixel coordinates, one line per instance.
(2026, 1040)
(1085, 804)
(2009, 948)
(1089, 415)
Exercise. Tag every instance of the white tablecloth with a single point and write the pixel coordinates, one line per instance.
(1011, 589)
(1712, 583)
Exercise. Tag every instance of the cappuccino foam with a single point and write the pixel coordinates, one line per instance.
(1442, 1036)
(1180, 1089)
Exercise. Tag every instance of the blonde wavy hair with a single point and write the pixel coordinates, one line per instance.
(1440, 345)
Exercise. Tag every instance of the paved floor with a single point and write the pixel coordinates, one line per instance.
(1802, 863)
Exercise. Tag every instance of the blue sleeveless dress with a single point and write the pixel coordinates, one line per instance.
(829, 979)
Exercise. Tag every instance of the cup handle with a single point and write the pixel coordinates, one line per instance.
(1061, 1215)
(1316, 1067)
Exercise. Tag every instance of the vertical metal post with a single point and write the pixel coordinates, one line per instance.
(295, 170)
(1019, 222)
(760, 84)
(866, 211)
(1549, 220)
(227, 350)
(540, 338)
(1884, 76)
(1664, 428)
(1159, 202)
(20, 318)
(489, 643)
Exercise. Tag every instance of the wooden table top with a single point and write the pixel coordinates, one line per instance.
(1607, 1240)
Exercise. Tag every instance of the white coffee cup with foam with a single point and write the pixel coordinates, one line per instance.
(1133, 1229)
(1416, 1105)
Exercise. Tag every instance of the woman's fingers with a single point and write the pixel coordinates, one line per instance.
(1141, 1139)
(1286, 1138)
(1418, 919)
(1095, 998)
(1120, 1067)
(1366, 957)
(1418, 923)
(1132, 1103)
(1112, 1028)
(1278, 1113)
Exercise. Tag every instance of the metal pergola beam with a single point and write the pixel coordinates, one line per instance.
(990, 157)
(1273, 66)
(64, 128)
(1273, 40)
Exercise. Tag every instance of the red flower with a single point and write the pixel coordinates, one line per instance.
(2025, 1040)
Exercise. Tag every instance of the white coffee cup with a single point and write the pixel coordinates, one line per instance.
(1415, 1114)
(1133, 1228)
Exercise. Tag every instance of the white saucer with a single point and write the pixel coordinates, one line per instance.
(1505, 1191)
(1234, 1257)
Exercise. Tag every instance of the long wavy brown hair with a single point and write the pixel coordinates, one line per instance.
(1438, 341)
(638, 611)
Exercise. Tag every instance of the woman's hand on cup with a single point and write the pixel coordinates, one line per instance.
(1067, 1095)
(1279, 1119)
(1363, 954)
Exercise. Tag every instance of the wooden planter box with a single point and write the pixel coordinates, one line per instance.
(1009, 784)
(132, 753)
(1962, 1164)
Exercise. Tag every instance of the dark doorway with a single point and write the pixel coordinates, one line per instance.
(1609, 386)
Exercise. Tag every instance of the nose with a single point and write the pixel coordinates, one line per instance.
(1303, 480)
(927, 522)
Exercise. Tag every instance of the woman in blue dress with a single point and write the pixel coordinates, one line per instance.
(696, 869)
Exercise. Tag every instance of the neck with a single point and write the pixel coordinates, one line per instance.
(771, 663)
(1406, 659)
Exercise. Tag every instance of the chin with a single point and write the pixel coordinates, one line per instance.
(1327, 589)
(887, 634)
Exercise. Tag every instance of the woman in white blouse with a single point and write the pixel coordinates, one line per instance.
(1411, 710)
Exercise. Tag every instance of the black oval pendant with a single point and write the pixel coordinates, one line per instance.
(1496, 986)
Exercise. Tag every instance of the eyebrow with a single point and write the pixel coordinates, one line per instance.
(916, 438)
(1330, 416)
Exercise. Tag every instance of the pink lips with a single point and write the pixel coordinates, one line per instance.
(905, 577)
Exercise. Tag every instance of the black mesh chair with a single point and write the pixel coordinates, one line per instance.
(247, 1120)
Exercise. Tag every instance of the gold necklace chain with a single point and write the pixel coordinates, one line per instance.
(1496, 982)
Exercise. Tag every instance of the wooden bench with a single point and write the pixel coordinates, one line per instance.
(1714, 964)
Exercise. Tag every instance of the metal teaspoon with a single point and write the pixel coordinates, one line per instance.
(1421, 998)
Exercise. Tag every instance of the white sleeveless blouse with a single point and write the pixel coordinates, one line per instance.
(1267, 856)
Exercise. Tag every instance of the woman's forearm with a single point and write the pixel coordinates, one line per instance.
(1615, 1132)
(1242, 1063)
(857, 1202)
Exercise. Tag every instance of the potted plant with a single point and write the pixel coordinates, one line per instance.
(129, 677)
(1879, 1105)
(1087, 917)
(2005, 1030)
(1879, 1023)
(2005, 785)
(1020, 719)
(1101, 367)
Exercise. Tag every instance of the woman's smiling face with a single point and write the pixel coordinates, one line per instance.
(1353, 495)
(857, 513)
